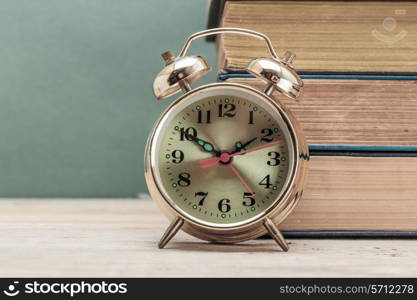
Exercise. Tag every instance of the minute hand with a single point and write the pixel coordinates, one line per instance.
(209, 162)
(243, 146)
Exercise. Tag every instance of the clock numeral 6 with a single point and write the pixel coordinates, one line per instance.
(188, 134)
(178, 156)
(251, 201)
(203, 195)
(224, 205)
(274, 161)
(184, 179)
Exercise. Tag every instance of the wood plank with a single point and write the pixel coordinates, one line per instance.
(362, 36)
(117, 238)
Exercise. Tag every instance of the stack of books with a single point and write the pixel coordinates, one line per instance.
(358, 60)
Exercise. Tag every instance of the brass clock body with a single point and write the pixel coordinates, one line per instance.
(226, 162)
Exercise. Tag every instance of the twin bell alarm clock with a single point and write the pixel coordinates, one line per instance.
(226, 162)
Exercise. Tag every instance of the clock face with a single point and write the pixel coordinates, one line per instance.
(222, 156)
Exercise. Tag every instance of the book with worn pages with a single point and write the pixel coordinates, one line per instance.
(358, 61)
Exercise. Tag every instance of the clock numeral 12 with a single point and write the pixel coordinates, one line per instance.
(227, 110)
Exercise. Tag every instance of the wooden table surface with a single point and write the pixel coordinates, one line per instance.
(117, 238)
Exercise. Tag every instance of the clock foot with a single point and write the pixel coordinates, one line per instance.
(171, 231)
(276, 234)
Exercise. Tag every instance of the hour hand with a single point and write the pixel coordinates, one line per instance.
(205, 146)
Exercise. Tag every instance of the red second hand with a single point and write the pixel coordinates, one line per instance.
(212, 161)
(241, 179)
(257, 148)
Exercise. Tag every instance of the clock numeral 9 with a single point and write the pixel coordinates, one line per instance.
(178, 156)
(224, 205)
(184, 179)
(266, 181)
(274, 161)
(188, 134)
(251, 201)
(203, 195)
(227, 110)
(267, 132)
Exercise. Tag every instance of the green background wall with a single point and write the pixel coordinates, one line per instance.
(75, 91)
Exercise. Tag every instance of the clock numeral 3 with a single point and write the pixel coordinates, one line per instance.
(227, 110)
(184, 179)
(178, 156)
(203, 195)
(274, 161)
(224, 205)
(251, 201)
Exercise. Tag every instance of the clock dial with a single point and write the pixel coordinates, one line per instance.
(223, 158)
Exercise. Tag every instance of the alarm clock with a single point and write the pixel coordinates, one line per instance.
(226, 162)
